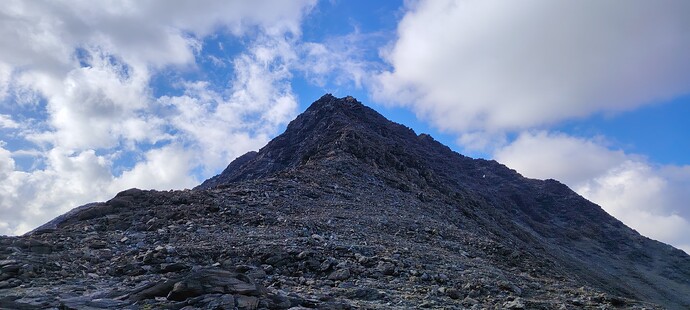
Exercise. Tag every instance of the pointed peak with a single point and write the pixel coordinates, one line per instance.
(330, 125)
(327, 97)
(329, 102)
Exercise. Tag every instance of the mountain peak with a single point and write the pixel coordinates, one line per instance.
(329, 104)
(341, 139)
(339, 111)
(328, 101)
(330, 125)
(345, 209)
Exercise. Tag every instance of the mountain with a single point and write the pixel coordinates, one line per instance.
(345, 210)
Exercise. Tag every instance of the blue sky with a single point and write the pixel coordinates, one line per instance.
(164, 94)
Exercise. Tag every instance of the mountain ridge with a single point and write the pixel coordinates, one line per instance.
(348, 120)
(347, 209)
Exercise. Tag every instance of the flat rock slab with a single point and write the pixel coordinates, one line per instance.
(200, 282)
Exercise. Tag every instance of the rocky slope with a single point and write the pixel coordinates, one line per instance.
(345, 210)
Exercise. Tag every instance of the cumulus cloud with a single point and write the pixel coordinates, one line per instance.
(503, 65)
(5, 74)
(70, 179)
(97, 106)
(340, 60)
(44, 34)
(259, 100)
(80, 76)
(28, 199)
(546, 155)
(165, 167)
(649, 198)
(6, 121)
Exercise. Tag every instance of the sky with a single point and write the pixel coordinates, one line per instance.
(96, 98)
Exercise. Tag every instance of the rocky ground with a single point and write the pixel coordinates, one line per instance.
(330, 216)
(276, 244)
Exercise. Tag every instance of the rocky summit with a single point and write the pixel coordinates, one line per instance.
(345, 210)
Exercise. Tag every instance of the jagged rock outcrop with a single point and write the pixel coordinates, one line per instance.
(345, 210)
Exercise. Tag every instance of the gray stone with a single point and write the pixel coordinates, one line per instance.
(386, 268)
(517, 303)
(246, 302)
(87, 302)
(453, 293)
(186, 289)
(339, 275)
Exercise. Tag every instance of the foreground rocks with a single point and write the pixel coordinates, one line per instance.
(258, 245)
(344, 211)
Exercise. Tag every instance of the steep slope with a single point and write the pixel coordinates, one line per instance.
(541, 215)
(345, 210)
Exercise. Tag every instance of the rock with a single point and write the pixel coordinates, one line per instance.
(98, 244)
(278, 301)
(386, 268)
(6, 262)
(10, 267)
(10, 283)
(277, 261)
(85, 302)
(339, 275)
(226, 301)
(517, 303)
(188, 288)
(173, 267)
(442, 278)
(365, 294)
(453, 293)
(38, 247)
(152, 290)
(318, 238)
(361, 259)
(425, 277)
(212, 281)
(326, 265)
(246, 302)
(303, 254)
(470, 301)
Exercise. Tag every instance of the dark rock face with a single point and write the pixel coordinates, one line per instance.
(345, 210)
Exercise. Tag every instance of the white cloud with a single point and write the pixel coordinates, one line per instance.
(99, 105)
(651, 199)
(546, 155)
(70, 179)
(6, 162)
(28, 199)
(165, 167)
(261, 82)
(339, 60)
(637, 194)
(258, 101)
(6, 121)
(496, 65)
(86, 71)
(5, 74)
(43, 35)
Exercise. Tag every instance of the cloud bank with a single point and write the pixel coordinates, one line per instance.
(77, 101)
(496, 65)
